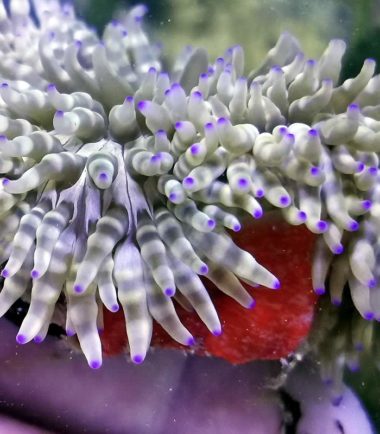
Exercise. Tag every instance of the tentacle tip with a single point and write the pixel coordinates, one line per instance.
(360, 167)
(5, 182)
(21, 339)
(354, 366)
(169, 292)
(78, 288)
(142, 105)
(34, 274)
(252, 304)
(103, 176)
(95, 364)
(369, 316)
(211, 223)
(372, 283)
(354, 107)
(51, 87)
(203, 269)
(320, 290)
(302, 216)
(70, 332)
(322, 225)
(284, 200)
(258, 213)
(114, 308)
(217, 332)
(172, 197)
(353, 226)
(260, 193)
(366, 204)
(315, 171)
(38, 339)
(236, 227)
(188, 182)
(373, 170)
(276, 284)
(338, 249)
(336, 302)
(243, 183)
(5, 273)
(190, 342)
(138, 359)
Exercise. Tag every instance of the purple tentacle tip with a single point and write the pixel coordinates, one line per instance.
(259, 192)
(366, 204)
(322, 225)
(243, 183)
(368, 316)
(95, 364)
(276, 284)
(353, 107)
(21, 339)
(320, 290)
(197, 94)
(190, 341)
(4, 85)
(338, 249)
(142, 105)
(78, 288)
(211, 223)
(360, 166)
(257, 213)
(38, 339)
(189, 181)
(302, 216)
(129, 98)
(284, 200)
(314, 171)
(373, 170)
(169, 292)
(5, 273)
(194, 149)
(34, 274)
(313, 132)
(203, 269)
(172, 197)
(336, 301)
(137, 359)
(103, 176)
(5, 181)
(236, 228)
(353, 226)
(114, 307)
(217, 332)
(70, 332)
(372, 283)
(252, 304)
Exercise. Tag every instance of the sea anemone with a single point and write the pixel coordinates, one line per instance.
(121, 180)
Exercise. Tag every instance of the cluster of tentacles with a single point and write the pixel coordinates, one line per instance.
(120, 180)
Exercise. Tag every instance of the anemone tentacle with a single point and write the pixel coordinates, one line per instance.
(120, 179)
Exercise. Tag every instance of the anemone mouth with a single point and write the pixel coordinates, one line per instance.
(120, 180)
